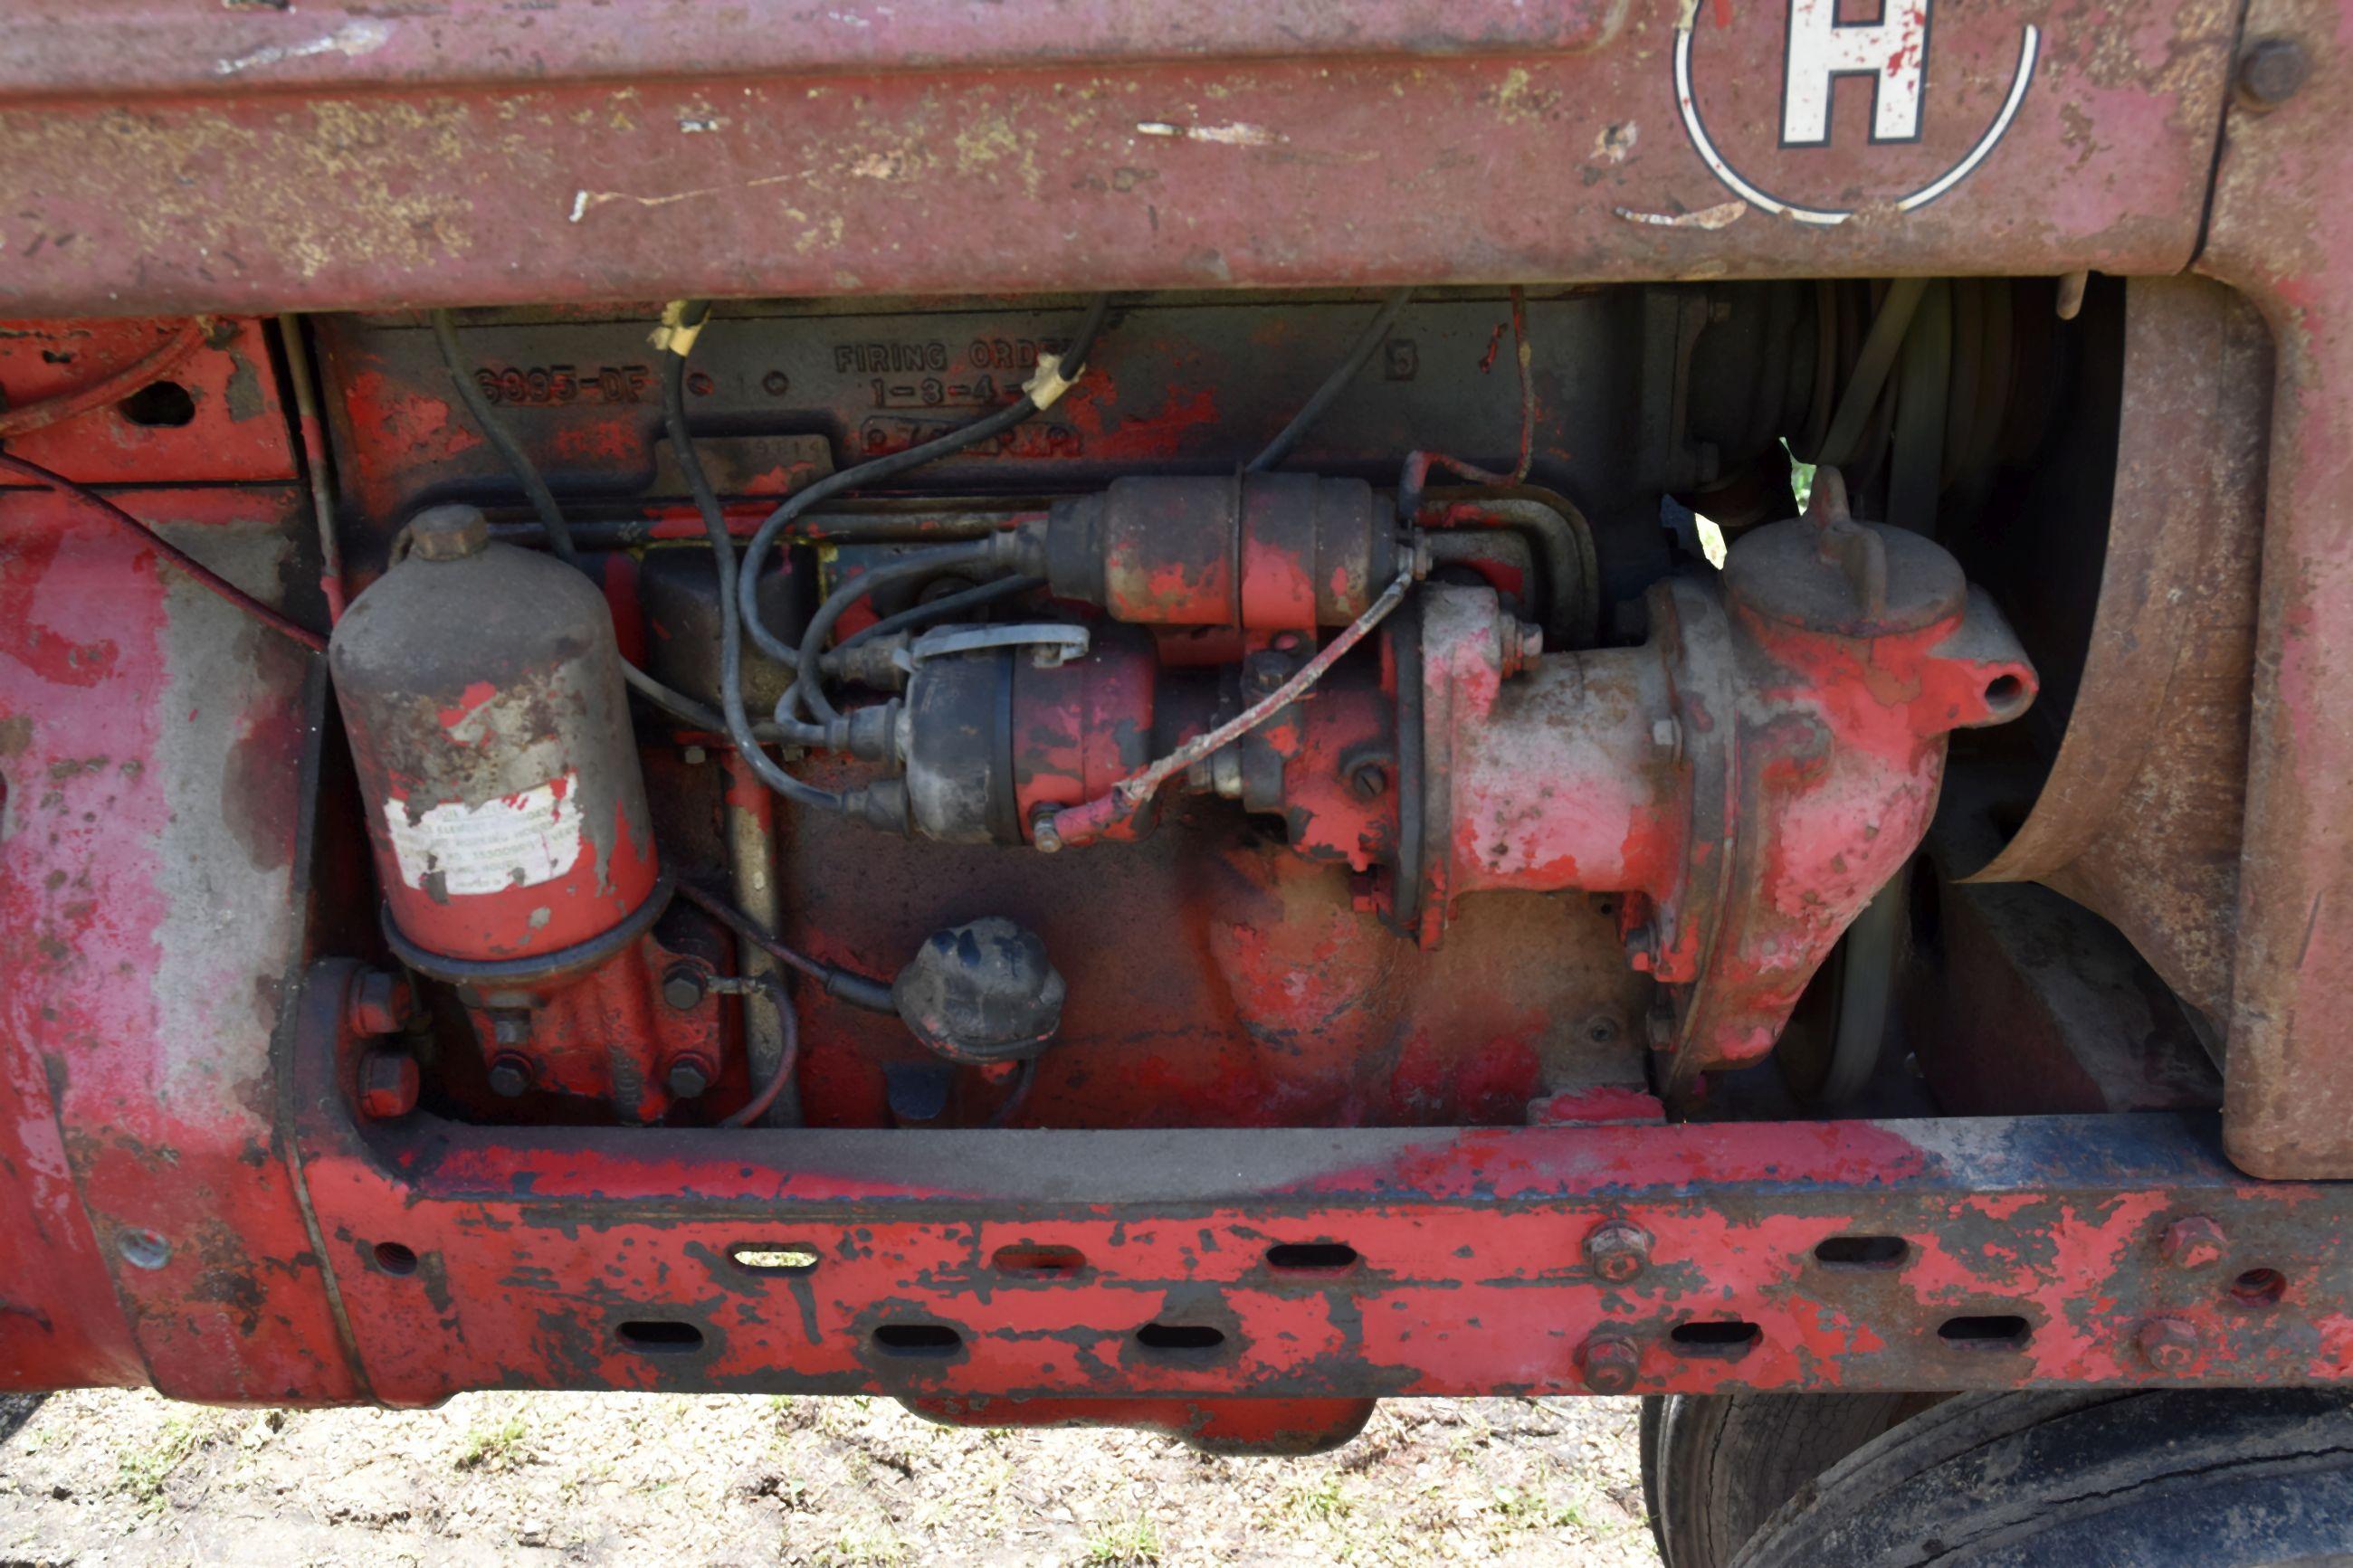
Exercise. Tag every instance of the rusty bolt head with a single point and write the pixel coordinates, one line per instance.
(688, 1078)
(1369, 781)
(1610, 1362)
(2272, 71)
(683, 987)
(1617, 1251)
(1043, 834)
(2168, 1344)
(510, 1075)
(775, 384)
(388, 1085)
(2193, 1242)
(378, 1003)
(447, 533)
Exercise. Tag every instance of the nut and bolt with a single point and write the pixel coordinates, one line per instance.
(1043, 834)
(1610, 1363)
(688, 1078)
(1518, 644)
(2194, 1241)
(388, 1085)
(379, 1003)
(450, 533)
(2272, 71)
(2168, 1344)
(510, 1075)
(1369, 781)
(1617, 1251)
(684, 986)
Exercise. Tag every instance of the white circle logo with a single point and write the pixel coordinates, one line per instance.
(1894, 54)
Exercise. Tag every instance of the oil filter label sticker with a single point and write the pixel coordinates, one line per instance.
(516, 841)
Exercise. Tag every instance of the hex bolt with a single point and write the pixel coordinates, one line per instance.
(389, 1084)
(1617, 1251)
(2168, 1344)
(510, 1075)
(687, 1079)
(683, 987)
(2194, 1241)
(1610, 1362)
(2272, 71)
(379, 1001)
(1042, 831)
(1369, 781)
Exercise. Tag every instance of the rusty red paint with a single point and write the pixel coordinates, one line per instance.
(148, 923)
(2056, 1223)
(2279, 232)
(573, 186)
(237, 430)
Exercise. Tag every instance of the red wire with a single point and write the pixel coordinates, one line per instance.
(172, 553)
(145, 371)
(787, 1065)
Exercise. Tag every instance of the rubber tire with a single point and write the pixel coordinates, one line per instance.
(2169, 1478)
(1716, 1466)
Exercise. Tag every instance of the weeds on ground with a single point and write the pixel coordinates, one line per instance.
(1130, 1541)
(142, 1469)
(862, 1546)
(1319, 1498)
(499, 1445)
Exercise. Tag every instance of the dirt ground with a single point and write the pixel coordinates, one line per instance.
(126, 1479)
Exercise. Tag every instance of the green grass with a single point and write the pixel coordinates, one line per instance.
(1130, 1541)
(141, 1471)
(496, 1445)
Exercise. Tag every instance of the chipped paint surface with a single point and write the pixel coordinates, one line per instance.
(445, 186)
(1469, 1272)
(351, 40)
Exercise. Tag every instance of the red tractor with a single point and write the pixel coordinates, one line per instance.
(1184, 716)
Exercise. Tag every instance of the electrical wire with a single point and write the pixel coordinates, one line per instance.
(137, 377)
(1418, 464)
(1360, 354)
(940, 609)
(1077, 824)
(510, 450)
(677, 704)
(196, 569)
(806, 690)
(733, 719)
(1066, 369)
(314, 461)
(841, 985)
(788, 1060)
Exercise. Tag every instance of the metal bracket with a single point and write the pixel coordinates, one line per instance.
(1051, 643)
